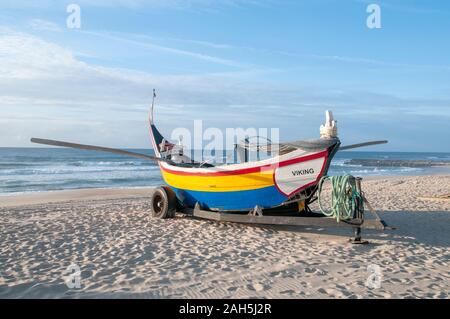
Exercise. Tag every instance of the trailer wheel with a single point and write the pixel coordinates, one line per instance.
(163, 203)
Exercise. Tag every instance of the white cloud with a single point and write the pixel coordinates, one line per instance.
(204, 43)
(144, 41)
(44, 25)
(46, 92)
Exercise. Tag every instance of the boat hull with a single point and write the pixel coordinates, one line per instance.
(231, 201)
(242, 187)
(236, 187)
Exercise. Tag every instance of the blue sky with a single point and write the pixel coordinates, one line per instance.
(232, 63)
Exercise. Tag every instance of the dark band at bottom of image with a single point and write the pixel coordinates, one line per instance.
(223, 308)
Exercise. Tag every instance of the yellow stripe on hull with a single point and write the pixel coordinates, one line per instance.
(228, 183)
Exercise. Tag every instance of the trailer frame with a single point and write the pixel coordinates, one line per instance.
(357, 224)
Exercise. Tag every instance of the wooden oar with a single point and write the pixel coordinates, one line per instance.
(97, 148)
(347, 147)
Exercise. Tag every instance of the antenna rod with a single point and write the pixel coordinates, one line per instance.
(153, 104)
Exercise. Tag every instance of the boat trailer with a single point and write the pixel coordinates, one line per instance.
(306, 219)
(295, 212)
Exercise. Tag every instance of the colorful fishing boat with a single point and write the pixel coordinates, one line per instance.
(290, 176)
(244, 186)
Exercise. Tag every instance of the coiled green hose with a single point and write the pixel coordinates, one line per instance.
(344, 197)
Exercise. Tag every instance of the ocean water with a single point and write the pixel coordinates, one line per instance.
(43, 169)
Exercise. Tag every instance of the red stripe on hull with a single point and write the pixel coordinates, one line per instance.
(250, 169)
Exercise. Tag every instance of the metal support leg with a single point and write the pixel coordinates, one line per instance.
(357, 233)
(358, 214)
(357, 237)
(257, 211)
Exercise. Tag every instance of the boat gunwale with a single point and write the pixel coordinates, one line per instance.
(243, 168)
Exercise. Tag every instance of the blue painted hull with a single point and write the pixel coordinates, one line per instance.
(240, 200)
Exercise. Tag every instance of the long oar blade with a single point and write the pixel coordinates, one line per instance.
(95, 148)
(347, 147)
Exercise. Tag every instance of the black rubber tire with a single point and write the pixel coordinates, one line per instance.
(163, 203)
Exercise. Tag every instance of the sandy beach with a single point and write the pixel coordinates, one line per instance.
(122, 252)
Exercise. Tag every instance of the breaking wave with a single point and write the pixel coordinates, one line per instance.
(26, 170)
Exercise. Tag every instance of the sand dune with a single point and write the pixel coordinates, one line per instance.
(123, 252)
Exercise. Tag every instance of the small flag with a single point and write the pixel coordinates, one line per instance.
(154, 93)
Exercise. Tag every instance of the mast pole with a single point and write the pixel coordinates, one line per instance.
(153, 104)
